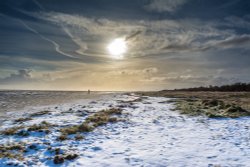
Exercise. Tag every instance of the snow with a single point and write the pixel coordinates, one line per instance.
(152, 135)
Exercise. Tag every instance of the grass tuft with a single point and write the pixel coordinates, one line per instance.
(21, 120)
(40, 113)
(12, 130)
(62, 137)
(79, 137)
(13, 151)
(42, 127)
(99, 118)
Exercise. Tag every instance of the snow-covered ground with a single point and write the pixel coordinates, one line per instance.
(152, 135)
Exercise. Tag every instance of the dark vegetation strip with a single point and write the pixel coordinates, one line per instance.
(236, 87)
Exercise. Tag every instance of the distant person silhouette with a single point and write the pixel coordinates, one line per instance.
(88, 91)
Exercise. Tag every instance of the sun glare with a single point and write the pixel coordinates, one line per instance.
(117, 48)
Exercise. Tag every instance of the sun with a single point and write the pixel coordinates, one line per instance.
(117, 48)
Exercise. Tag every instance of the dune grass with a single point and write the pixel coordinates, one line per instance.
(97, 119)
(211, 108)
(211, 104)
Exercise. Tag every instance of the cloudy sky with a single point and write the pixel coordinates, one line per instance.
(62, 44)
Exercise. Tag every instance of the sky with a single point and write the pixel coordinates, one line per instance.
(62, 44)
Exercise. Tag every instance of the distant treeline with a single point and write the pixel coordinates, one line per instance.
(237, 87)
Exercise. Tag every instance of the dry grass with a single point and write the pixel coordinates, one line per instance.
(21, 120)
(40, 113)
(13, 151)
(99, 118)
(20, 130)
(226, 104)
(42, 127)
(62, 137)
(79, 137)
(103, 117)
(59, 159)
(77, 128)
(211, 108)
(12, 130)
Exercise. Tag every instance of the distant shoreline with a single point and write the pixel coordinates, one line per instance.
(18, 100)
(18, 90)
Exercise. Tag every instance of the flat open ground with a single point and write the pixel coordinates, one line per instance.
(122, 130)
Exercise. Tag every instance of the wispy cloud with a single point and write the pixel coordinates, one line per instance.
(63, 44)
(234, 41)
(23, 75)
(38, 4)
(164, 5)
(135, 72)
(240, 41)
(82, 45)
(147, 37)
(238, 22)
(56, 45)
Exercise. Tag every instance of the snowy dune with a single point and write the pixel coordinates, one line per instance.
(151, 134)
